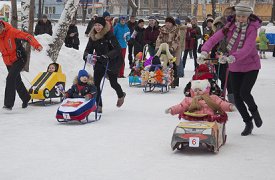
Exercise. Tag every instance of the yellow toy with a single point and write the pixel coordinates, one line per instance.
(48, 84)
(164, 55)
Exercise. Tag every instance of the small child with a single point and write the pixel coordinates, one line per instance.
(82, 87)
(52, 67)
(201, 103)
(263, 46)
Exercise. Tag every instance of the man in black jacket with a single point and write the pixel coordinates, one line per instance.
(132, 23)
(43, 26)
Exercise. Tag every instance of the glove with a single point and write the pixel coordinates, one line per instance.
(203, 56)
(167, 111)
(104, 59)
(87, 97)
(231, 59)
(222, 59)
(90, 59)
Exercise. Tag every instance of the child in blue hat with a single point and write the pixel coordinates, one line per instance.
(83, 87)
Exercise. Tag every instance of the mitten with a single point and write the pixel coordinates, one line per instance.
(222, 59)
(201, 58)
(168, 111)
(231, 59)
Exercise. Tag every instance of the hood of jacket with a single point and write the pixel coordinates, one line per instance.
(165, 30)
(96, 36)
(90, 80)
(7, 27)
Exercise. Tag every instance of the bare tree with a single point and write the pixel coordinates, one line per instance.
(213, 2)
(134, 7)
(39, 9)
(14, 17)
(84, 11)
(62, 29)
(204, 8)
(273, 13)
(195, 10)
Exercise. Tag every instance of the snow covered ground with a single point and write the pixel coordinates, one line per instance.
(131, 142)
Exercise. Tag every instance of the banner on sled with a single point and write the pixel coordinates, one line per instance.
(75, 109)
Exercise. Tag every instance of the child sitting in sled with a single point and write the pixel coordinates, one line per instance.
(82, 87)
(165, 55)
(201, 106)
(53, 67)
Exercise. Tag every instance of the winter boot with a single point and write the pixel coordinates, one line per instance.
(230, 98)
(7, 108)
(248, 128)
(25, 103)
(257, 118)
(120, 101)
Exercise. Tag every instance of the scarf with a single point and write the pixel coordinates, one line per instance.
(241, 28)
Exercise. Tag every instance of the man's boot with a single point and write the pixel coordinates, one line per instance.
(248, 128)
(257, 118)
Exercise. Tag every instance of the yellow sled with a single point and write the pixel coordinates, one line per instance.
(48, 85)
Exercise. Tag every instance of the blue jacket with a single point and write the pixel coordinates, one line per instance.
(119, 32)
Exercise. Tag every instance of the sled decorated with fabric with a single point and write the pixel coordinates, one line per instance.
(77, 109)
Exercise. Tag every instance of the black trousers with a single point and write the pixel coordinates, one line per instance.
(14, 83)
(242, 84)
(130, 54)
(99, 72)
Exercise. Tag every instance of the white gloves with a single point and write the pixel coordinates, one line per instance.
(229, 59)
(201, 58)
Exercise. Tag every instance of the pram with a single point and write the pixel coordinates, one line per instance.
(160, 73)
(206, 71)
(138, 66)
(47, 85)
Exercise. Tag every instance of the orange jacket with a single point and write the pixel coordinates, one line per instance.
(7, 42)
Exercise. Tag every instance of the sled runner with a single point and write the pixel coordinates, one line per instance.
(47, 85)
(77, 109)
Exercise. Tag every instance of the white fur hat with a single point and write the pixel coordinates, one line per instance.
(200, 84)
(243, 8)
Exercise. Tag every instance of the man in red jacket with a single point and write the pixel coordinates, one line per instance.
(14, 56)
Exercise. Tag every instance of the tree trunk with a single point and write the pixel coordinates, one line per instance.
(195, 10)
(273, 13)
(204, 9)
(134, 7)
(84, 11)
(62, 29)
(39, 10)
(14, 17)
(213, 8)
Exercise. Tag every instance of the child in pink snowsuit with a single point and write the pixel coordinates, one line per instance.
(201, 105)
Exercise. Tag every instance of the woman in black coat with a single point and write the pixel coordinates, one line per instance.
(137, 36)
(106, 46)
(72, 40)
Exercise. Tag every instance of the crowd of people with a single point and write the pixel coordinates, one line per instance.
(230, 37)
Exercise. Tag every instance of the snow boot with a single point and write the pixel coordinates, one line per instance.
(25, 103)
(230, 98)
(120, 101)
(248, 128)
(7, 108)
(257, 118)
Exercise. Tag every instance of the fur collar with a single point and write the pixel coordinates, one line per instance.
(96, 36)
(90, 80)
(165, 30)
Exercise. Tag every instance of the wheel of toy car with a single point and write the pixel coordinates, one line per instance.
(46, 93)
(180, 146)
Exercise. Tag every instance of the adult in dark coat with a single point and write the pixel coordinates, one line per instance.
(138, 37)
(132, 23)
(105, 45)
(43, 26)
(151, 34)
(90, 25)
(72, 40)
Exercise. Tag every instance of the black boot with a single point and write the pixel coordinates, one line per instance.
(248, 128)
(257, 118)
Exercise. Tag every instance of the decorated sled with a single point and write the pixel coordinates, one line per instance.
(47, 85)
(77, 109)
(200, 130)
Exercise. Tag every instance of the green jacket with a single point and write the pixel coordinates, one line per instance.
(263, 41)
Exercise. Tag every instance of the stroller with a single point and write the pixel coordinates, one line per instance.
(206, 71)
(160, 73)
(138, 66)
(78, 109)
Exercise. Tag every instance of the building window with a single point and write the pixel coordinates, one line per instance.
(49, 10)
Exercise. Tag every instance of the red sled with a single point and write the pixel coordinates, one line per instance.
(77, 109)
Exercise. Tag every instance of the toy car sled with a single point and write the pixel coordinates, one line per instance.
(47, 85)
(77, 109)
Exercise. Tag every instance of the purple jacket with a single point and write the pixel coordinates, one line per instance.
(247, 58)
